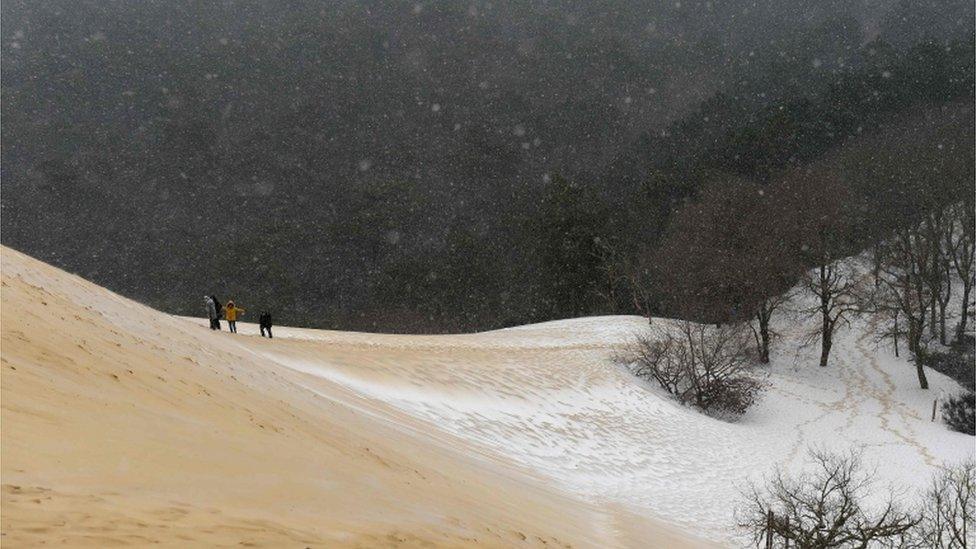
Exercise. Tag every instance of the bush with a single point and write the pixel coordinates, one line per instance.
(706, 366)
(955, 363)
(959, 413)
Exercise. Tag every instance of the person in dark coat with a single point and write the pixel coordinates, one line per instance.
(219, 307)
(265, 321)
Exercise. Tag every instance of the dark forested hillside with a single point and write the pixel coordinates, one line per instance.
(443, 166)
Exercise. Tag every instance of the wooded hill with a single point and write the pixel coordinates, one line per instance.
(433, 167)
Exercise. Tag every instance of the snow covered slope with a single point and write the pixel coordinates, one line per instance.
(126, 416)
(549, 397)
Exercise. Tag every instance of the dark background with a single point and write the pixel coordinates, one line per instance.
(446, 166)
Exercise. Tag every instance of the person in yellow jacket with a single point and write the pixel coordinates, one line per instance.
(230, 315)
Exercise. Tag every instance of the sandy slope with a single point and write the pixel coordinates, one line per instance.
(121, 424)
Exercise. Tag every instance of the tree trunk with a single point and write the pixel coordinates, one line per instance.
(961, 327)
(895, 335)
(825, 350)
(764, 350)
(915, 330)
(763, 341)
(932, 321)
(826, 341)
(944, 297)
(876, 265)
(922, 381)
(942, 319)
(827, 328)
(914, 336)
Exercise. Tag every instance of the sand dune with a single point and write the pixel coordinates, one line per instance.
(124, 425)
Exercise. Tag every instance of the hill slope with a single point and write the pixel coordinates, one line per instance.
(123, 424)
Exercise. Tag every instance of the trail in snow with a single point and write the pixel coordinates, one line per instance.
(892, 411)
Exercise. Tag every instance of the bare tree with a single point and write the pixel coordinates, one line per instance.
(707, 366)
(939, 276)
(760, 323)
(948, 517)
(742, 255)
(624, 278)
(611, 273)
(837, 299)
(823, 508)
(944, 294)
(823, 226)
(906, 270)
(960, 239)
(891, 329)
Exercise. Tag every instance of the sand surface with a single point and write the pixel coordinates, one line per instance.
(124, 425)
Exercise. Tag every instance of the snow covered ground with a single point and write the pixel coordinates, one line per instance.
(550, 397)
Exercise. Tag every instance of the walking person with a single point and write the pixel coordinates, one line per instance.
(219, 307)
(265, 321)
(230, 315)
(211, 306)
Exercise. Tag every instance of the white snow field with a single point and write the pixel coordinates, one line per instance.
(551, 398)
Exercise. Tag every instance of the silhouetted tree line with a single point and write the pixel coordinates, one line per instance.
(500, 187)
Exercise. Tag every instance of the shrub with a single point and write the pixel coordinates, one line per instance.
(709, 367)
(959, 413)
(955, 363)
